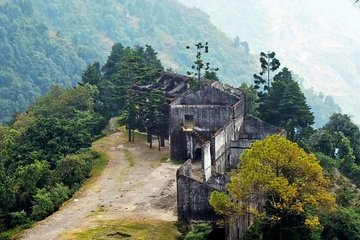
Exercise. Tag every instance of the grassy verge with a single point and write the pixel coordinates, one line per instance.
(129, 157)
(99, 164)
(144, 230)
(10, 233)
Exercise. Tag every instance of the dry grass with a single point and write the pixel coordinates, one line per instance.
(131, 230)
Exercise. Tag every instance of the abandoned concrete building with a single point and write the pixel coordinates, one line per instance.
(209, 129)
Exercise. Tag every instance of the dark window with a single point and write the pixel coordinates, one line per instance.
(198, 153)
(189, 118)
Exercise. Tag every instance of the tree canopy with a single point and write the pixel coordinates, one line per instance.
(286, 182)
(285, 106)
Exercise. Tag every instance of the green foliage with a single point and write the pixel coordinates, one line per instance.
(255, 231)
(43, 204)
(199, 64)
(343, 224)
(329, 164)
(72, 170)
(338, 139)
(199, 232)
(42, 154)
(19, 218)
(342, 123)
(211, 75)
(252, 99)
(32, 58)
(346, 197)
(285, 106)
(289, 181)
(268, 64)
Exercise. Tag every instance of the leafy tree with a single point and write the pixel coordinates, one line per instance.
(157, 113)
(268, 64)
(211, 75)
(288, 184)
(92, 75)
(343, 224)
(342, 123)
(285, 106)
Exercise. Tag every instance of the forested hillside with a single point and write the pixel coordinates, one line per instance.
(49, 42)
(32, 59)
(167, 26)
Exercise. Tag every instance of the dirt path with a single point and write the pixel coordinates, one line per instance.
(134, 186)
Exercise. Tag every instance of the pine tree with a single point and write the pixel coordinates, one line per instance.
(285, 106)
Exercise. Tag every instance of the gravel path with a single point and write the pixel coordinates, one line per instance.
(133, 186)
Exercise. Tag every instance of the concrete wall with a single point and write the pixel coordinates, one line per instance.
(206, 117)
(254, 128)
(210, 95)
(193, 197)
(207, 120)
(207, 160)
(222, 144)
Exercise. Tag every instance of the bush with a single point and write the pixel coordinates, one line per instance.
(346, 197)
(59, 194)
(43, 204)
(199, 232)
(74, 169)
(19, 218)
(344, 224)
(329, 164)
(255, 231)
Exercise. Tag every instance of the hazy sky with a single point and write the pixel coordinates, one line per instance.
(318, 39)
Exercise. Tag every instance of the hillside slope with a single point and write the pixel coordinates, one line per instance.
(49, 42)
(166, 25)
(319, 40)
(32, 59)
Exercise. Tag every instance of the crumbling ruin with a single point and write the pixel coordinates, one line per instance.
(209, 129)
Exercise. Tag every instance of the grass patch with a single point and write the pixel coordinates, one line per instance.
(145, 230)
(99, 164)
(129, 157)
(165, 158)
(10, 233)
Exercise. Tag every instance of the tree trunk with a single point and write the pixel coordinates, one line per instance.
(133, 135)
(148, 136)
(129, 131)
(159, 142)
(162, 140)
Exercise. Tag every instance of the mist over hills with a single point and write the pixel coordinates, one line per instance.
(319, 40)
(58, 38)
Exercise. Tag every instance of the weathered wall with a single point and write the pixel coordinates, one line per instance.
(237, 147)
(206, 118)
(222, 141)
(209, 96)
(254, 128)
(178, 150)
(193, 197)
(207, 160)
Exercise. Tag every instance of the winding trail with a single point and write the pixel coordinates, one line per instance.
(135, 185)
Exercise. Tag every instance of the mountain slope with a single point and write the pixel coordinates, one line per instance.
(166, 25)
(319, 40)
(53, 40)
(32, 59)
